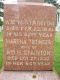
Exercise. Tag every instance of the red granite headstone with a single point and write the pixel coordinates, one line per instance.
(29, 31)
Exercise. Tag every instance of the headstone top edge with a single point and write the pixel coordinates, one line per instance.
(31, 3)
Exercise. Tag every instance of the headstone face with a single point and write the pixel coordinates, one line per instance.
(29, 31)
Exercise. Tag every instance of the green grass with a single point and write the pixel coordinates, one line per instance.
(57, 52)
(1, 51)
(1, 37)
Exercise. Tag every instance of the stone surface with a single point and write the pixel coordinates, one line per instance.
(29, 31)
(39, 75)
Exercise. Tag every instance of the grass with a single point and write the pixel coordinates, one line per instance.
(1, 37)
(57, 52)
(1, 50)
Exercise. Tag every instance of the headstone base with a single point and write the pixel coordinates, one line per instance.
(31, 75)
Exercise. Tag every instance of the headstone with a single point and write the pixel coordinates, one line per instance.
(29, 31)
